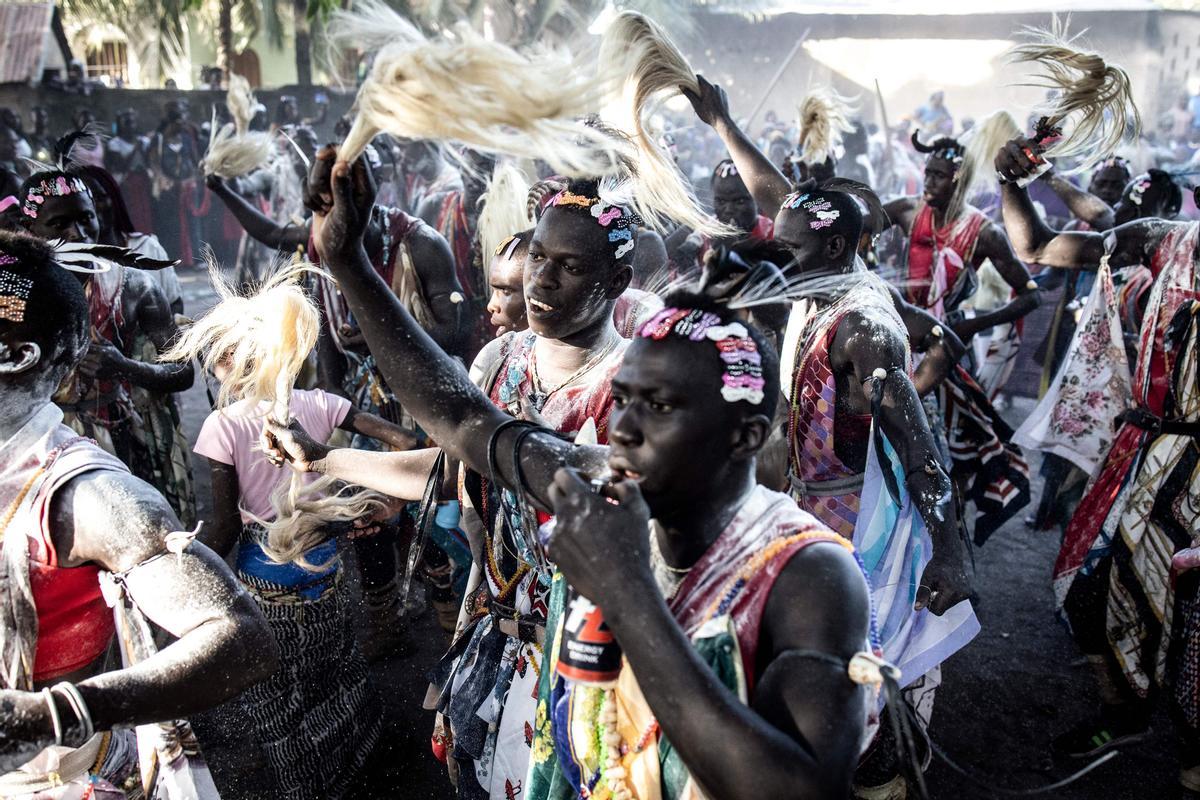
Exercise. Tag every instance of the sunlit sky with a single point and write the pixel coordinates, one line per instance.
(896, 62)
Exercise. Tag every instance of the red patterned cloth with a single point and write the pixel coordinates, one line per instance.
(813, 426)
(938, 258)
(735, 575)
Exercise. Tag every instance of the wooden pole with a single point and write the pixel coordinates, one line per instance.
(787, 62)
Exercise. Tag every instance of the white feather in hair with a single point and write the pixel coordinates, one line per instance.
(93, 259)
(1093, 102)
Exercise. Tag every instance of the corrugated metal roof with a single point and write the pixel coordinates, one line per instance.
(23, 29)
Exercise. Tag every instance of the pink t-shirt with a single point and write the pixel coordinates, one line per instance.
(231, 437)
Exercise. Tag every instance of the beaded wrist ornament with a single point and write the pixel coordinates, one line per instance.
(743, 377)
(14, 291)
(617, 219)
(60, 186)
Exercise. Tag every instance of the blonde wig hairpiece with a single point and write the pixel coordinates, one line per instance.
(1093, 108)
(505, 209)
(474, 91)
(653, 71)
(263, 337)
(824, 119)
(304, 510)
(235, 150)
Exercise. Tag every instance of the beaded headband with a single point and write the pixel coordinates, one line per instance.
(1113, 162)
(14, 291)
(743, 377)
(953, 153)
(1140, 184)
(619, 220)
(60, 186)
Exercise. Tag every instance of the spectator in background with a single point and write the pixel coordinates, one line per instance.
(287, 112)
(1178, 122)
(40, 139)
(175, 154)
(77, 81)
(10, 178)
(934, 117)
(12, 119)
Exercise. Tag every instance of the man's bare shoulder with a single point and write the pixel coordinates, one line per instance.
(110, 518)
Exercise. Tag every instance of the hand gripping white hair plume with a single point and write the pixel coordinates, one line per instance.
(462, 87)
(1092, 110)
(234, 149)
(651, 70)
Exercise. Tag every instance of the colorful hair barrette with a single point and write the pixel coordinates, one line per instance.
(743, 375)
(59, 186)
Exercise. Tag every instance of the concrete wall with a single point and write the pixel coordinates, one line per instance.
(149, 104)
(277, 65)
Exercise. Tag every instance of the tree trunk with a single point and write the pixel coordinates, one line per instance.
(303, 43)
(225, 52)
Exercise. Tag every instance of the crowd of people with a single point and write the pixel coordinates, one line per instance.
(693, 506)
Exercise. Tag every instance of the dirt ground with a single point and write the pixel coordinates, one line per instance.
(1002, 698)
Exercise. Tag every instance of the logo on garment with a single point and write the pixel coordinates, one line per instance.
(589, 652)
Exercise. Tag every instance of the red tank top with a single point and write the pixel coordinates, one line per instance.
(924, 245)
(75, 624)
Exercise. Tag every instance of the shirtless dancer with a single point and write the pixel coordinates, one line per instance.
(73, 513)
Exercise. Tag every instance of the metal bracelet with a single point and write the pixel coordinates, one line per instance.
(78, 705)
(55, 720)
